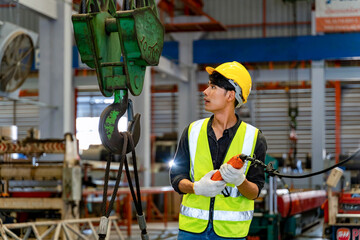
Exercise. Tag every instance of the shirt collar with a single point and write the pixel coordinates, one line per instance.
(232, 130)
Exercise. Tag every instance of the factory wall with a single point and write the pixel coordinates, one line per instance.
(248, 15)
(23, 115)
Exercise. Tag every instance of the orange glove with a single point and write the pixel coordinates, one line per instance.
(235, 161)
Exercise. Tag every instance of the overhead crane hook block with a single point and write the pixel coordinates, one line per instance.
(119, 45)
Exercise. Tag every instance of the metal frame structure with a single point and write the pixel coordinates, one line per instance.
(67, 228)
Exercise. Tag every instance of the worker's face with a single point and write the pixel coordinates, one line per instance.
(215, 98)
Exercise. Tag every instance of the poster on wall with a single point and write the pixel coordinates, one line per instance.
(337, 15)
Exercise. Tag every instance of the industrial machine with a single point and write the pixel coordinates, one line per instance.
(342, 209)
(283, 214)
(30, 186)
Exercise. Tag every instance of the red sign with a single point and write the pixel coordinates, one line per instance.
(337, 15)
(355, 233)
(343, 234)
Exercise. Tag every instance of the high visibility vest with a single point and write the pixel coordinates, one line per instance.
(231, 215)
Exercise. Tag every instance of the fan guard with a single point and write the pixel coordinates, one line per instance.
(16, 58)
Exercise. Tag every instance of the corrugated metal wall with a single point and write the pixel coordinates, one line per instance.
(272, 118)
(228, 12)
(232, 12)
(350, 118)
(164, 113)
(20, 16)
(24, 116)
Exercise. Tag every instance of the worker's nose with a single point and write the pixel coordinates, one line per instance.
(205, 91)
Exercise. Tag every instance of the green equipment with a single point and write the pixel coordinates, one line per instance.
(119, 45)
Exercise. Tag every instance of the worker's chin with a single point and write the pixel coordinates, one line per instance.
(208, 109)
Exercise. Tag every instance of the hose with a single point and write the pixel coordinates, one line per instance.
(274, 172)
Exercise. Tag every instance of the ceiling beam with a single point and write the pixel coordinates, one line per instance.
(47, 8)
(170, 68)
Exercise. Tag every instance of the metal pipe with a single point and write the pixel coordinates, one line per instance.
(264, 18)
(7, 5)
(266, 24)
(337, 121)
(271, 195)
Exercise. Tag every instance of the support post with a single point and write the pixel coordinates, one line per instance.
(188, 91)
(317, 121)
(55, 74)
(142, 105)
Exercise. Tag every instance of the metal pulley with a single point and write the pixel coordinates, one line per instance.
(119, 45)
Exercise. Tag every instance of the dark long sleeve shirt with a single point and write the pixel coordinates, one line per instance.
(218, 148)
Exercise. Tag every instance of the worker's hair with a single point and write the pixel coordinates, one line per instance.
(221, 81)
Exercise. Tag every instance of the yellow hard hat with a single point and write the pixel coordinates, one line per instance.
(236, 72)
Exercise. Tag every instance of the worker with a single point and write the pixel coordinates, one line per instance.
(219, 209)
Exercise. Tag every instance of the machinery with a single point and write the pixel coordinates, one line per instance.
(283, 214)
(29, 186)
(342, 209)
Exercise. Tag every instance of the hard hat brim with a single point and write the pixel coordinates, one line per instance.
(210, 70)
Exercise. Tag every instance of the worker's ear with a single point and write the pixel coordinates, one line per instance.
(231, 96)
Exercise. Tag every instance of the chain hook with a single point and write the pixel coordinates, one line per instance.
(111, 138)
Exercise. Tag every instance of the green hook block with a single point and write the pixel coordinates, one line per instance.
(119, 45)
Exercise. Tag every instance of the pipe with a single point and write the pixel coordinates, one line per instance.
(264, 18)
(337, 121)
(7, 5)
(76, 95)
(266, 24)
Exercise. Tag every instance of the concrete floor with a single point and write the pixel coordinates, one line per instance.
(157, 231)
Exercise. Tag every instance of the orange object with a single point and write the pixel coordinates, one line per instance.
(235, 161)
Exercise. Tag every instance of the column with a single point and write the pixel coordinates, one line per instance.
(55, 73)
(142, 105)
(317, 121)
(188, 91)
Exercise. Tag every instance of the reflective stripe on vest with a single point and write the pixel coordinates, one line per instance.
(235, 216)
(194, 131)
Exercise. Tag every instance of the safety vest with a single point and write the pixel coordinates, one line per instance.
(231, 215)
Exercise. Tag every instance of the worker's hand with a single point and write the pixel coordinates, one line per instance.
(207, 187)
(232, 175)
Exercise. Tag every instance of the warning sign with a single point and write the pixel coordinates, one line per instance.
(337, 15)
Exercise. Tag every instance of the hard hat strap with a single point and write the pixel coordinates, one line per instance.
(238, 93)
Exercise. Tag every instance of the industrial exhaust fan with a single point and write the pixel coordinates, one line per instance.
(17, 49)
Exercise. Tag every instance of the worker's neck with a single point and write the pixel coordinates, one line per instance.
(224, 120)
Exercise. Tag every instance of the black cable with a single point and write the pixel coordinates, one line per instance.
(82, 8)
(136, 196)
(136, 199)
(274, 172)
(118, 177)
(106, 181)
(126, 5)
